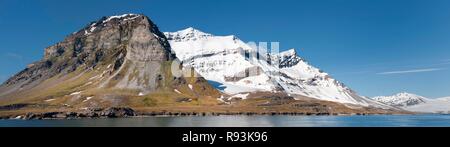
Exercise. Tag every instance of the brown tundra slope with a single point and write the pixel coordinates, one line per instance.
(125, 61)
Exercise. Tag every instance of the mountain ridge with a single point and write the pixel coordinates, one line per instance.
(294, 75)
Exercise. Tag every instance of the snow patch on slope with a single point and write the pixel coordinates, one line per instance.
(241, 95)
(93, 26)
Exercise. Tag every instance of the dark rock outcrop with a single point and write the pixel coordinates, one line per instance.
(13, 106)
(117, 112)
(111, 112)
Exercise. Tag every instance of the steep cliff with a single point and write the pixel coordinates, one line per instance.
(108, 62)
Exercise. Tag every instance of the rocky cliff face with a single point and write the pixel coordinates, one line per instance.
(125, 52)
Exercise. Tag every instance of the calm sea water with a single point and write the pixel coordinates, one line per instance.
(244, 121)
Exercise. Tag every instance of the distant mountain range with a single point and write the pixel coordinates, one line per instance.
(413, 102)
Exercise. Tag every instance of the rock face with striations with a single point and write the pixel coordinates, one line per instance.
(116, 55)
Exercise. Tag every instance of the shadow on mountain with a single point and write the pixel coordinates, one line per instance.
(217, 85)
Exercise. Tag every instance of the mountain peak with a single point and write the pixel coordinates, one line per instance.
(405, 94)
(111, 40)
(125, 53)
(401, 99)
(188, 34)
(290, 52)
(401, 95)
(122, 16)
(114, 21)
(107, 25)
(191, 30)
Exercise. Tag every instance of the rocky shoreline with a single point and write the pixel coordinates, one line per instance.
(121, 112)
(112, 112)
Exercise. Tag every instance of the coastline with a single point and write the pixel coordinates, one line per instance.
(125, 112)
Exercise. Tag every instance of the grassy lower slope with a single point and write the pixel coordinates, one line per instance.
(81, 89)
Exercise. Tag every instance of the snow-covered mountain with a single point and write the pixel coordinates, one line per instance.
(416, 103)
(225, 62)
(220, 60)
(402, 99)
(439, 105)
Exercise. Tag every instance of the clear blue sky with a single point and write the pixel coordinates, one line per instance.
(376, 47)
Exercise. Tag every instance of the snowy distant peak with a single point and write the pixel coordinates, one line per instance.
(188, 34)
(192, 31)
(401, 95)
(444, 99)
(405, 94)
(416, 103)
(403, 99)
